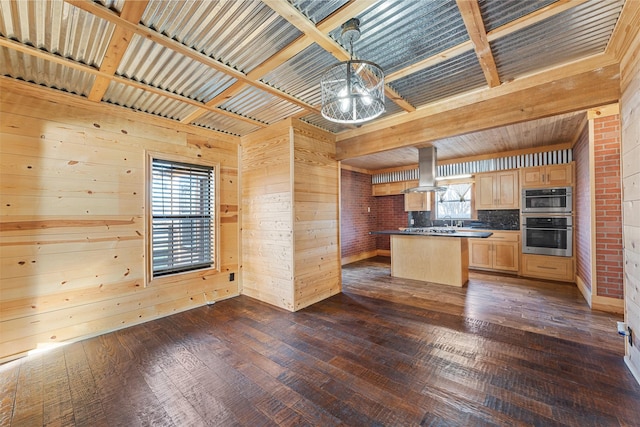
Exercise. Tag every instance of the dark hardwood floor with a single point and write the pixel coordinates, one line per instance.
(501, 351)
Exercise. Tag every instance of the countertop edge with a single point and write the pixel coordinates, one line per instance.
(459, 234)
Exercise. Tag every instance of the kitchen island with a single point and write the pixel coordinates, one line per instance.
(431, 256)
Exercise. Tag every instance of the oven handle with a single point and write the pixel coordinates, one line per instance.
(547, 229)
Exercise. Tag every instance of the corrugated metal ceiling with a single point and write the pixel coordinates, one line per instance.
(498, 13)
(253, 45)
(56, 27)
(158, 66)
(459, 74)
(575, 33)
(397, 33)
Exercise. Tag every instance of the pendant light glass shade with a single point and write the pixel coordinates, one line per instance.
(352, 91)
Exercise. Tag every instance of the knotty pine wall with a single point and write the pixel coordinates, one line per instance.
(630, 126)
(267, 216)
(72, 217)
(290, 215)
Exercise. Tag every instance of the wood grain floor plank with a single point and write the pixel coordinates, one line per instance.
(502, 351)
(8, 386)
(84, 395)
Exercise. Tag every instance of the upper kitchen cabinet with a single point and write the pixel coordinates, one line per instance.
(417, 202)
(391, 188)
(497, 190)
(547, 176)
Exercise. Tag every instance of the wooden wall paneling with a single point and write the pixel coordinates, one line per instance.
(117, 120)
(290, 214)
(106, 314)
(629, 33)
(316, 192)
(72, 185)
(267, 219)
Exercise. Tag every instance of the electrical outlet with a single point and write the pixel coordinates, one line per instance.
(232, 277)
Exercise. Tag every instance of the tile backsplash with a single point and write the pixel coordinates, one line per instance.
(491, 219)
(507, 219)
(420, 219)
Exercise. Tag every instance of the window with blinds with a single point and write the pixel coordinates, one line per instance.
(182, 208)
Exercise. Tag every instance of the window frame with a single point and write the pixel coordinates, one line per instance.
(472, 210)
(150, 279)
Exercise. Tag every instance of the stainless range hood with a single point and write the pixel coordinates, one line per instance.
(427, 170)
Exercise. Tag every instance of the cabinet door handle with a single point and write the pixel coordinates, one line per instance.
(547, 268)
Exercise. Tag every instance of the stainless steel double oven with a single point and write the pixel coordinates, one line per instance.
(547, 221)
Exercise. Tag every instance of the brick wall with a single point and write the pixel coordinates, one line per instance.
(391, 216)
(582, 194)
(356, 222)
(608, 200)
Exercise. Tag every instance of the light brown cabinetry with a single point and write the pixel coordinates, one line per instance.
(500, 252)
(392, 188)
(417, 202)
(548, 267)
(497, 190)
(547, 176)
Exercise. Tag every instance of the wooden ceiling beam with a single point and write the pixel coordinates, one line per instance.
(472, 18)
(302, 23)
(570, 92)
(481, 95)
(132, 11)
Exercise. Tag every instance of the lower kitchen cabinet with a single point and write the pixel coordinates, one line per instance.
(500, 252)
(548, 267)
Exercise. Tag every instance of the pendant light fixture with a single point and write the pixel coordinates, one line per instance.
(353, 90)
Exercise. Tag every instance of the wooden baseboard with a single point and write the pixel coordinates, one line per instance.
(586, 292)
(383, 252)
(358, 257)
(610, 305)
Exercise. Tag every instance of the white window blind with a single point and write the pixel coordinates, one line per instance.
(182, 205)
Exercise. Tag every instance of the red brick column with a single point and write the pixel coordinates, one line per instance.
(608, 200)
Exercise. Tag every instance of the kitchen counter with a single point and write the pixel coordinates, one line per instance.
(430, 255)
(462, 232)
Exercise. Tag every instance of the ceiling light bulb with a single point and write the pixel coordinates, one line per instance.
(345, 100)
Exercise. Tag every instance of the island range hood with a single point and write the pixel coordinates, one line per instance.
(427, 170)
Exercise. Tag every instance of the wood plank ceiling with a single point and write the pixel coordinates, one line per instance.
(238, 66)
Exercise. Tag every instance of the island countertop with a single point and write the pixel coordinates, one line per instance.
(456, 233)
